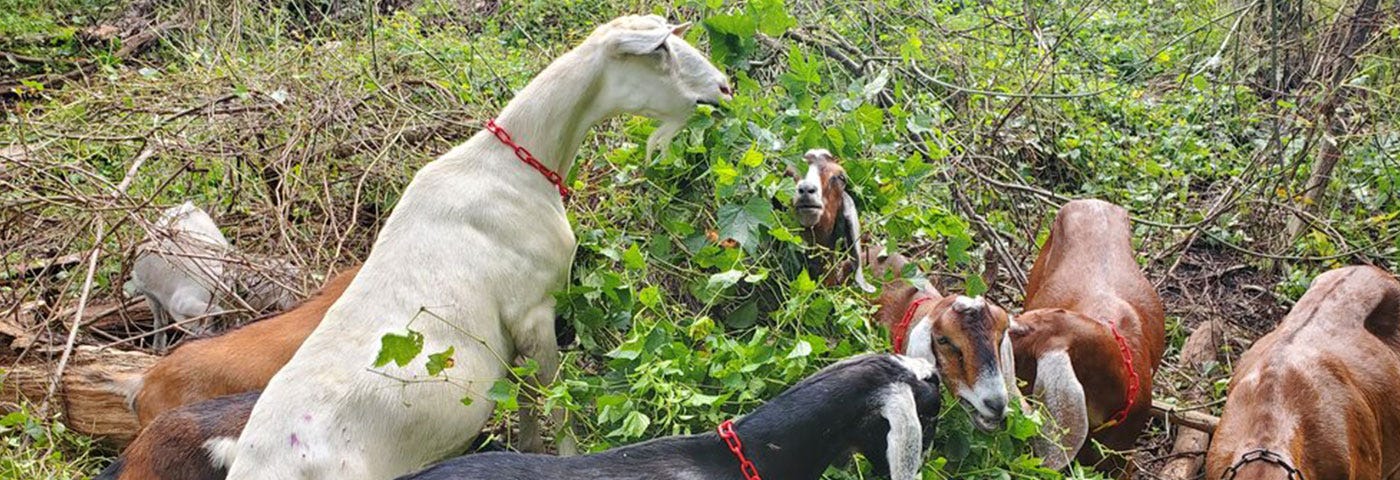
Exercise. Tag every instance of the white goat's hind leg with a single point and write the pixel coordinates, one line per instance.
(535, 340)
(159, 319)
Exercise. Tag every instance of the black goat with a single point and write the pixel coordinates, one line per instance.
(882, 406)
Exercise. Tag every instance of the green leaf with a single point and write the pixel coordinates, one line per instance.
(633, 258)
(399, 348)
(772, 16)
(800, 350)
(803, 284)
(504, 393)
(752, 158)
(633, 426)
(440, 361)
(742, 222)
(650, 296)
(724, 172)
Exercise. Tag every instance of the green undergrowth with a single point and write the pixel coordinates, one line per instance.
(962, 130)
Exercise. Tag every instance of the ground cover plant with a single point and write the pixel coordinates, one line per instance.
(1254, 143)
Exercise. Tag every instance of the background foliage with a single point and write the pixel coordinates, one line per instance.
(962, 126)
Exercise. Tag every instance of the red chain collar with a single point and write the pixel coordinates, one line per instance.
(731, 439)
(899, 334)
(526, 157)
(1132, 393)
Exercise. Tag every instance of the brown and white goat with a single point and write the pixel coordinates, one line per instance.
(1092, 334)
(190, 442)
(238, 361)
(829, 218)
(1315, 398)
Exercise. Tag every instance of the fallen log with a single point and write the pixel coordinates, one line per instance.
(87, 403)
(1192, 441)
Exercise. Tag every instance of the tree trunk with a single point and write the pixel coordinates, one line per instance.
(1199, 349)
(89, 403)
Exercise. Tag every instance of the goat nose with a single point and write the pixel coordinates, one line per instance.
(726, 89)
(996, 405)
(806, 189)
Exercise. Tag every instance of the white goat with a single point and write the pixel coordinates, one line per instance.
(187, 269)
(474, 250)
(178, 269)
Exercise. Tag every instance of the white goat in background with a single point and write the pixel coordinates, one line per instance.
(186, 269)
(179, 270)
(472, 254)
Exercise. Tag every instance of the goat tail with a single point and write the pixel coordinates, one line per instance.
(128, 385)
(222, 451)
(1063, 395)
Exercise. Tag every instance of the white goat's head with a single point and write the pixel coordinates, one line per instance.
(656, 73)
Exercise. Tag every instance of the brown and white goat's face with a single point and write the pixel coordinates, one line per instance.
(820, 192)
(652, 71)
(967, 337)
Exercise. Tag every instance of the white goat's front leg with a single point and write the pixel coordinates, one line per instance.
(534, 339)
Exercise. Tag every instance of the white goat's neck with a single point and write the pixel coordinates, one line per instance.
(551, 115)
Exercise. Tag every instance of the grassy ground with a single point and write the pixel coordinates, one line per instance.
(963, 124)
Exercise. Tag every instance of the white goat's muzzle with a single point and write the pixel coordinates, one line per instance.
(986, 402)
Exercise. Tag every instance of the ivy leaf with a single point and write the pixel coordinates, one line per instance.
(440, 361)
(633, 426)
(633, 259)
(503, 392)
(650, 296)
(772, 16)
(742, 222)
(800, 350)
(399, 348)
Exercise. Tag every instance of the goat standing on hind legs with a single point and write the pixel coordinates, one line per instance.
(829, 218)
(471, 254)
(1091, 337)
(1315, 399)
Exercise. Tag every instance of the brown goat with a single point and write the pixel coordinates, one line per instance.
(1315, 397)
(188, 443)
(237, 361)
(1092, 334)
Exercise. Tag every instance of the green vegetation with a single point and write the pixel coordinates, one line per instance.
(962, 125)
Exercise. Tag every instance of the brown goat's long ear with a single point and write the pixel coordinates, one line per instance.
(1008, 362)
(904, 444)
(848, 210)
(1059, 389)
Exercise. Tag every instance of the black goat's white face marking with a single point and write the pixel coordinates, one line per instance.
(905, 441)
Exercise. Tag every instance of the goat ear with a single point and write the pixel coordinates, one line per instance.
(642, 42)
(848, 210)
(792, 172)
(679, 30)
(1008, 364)
(1059, 389)
(904, 444)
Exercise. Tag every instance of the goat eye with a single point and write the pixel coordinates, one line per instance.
(943, 341)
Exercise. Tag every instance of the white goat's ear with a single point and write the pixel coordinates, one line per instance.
(642, 42)
(904, 444)
(1059, 389)
(679, 30)
(848, 210)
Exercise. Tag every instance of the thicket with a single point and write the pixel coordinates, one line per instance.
(1253, 142)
